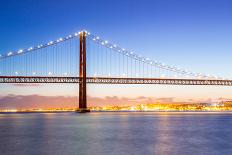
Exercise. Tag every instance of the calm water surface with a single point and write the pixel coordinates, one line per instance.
(123, 133)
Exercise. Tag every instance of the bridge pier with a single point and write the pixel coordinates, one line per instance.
(82, 74)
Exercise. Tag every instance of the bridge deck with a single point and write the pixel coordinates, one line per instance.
(108, 80)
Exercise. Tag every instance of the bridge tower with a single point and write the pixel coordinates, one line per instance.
(82, 75)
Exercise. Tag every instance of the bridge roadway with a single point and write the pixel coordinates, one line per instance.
(109, 80)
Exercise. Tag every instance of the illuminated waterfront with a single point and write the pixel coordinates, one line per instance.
(223, 106)
(114, 133)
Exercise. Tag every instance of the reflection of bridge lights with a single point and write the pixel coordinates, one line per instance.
(97, 37)
(95, 74)
(16, 73)
(65, 73)
(49, 73)
(109, 74)
(33, 73)
(123, 74)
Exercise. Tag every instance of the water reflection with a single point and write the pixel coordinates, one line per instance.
(116, 133)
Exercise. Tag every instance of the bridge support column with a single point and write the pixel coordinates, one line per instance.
(82, 75)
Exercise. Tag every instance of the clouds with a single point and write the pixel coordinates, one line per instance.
(37, 101)
(26, 85)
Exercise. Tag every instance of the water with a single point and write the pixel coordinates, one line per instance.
(122, 133)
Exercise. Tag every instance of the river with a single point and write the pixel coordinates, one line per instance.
(116, 133)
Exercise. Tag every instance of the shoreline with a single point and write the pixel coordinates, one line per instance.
(28, 112)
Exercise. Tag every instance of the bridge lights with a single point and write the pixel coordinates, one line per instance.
(33, 73)
(10, 53)
(65, 74)
(49, 73)
(20, 51)
(16, 73)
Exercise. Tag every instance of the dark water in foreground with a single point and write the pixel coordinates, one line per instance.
(123, 133)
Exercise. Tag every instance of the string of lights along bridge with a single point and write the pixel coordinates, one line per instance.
(86, 58)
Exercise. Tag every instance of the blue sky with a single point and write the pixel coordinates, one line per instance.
(191, 34)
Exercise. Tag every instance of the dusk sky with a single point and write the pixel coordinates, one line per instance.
(191, 34)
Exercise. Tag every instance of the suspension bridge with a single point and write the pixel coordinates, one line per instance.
(84, 58)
